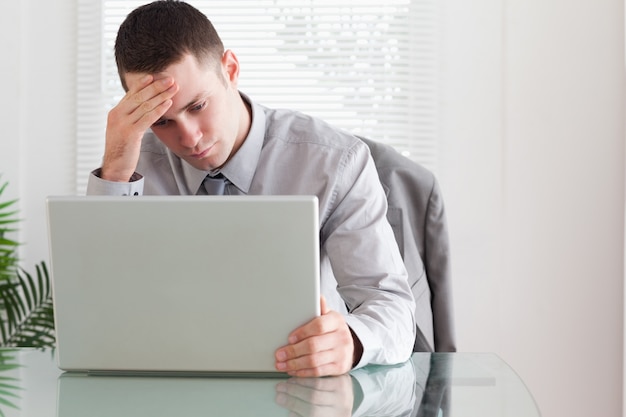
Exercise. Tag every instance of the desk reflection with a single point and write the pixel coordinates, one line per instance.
(416, 388)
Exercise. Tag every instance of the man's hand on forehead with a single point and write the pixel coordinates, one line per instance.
(146, 100)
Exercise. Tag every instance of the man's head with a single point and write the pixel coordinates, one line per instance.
(167, 41)
(159, 34)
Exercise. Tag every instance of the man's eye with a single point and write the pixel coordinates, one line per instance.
(159, 123)
(199, 106)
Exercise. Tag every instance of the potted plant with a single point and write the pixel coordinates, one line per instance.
(26, 311)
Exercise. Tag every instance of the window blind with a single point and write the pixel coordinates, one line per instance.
(369, 67)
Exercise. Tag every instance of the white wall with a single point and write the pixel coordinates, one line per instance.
(567, 217)
(533, 176)
(534, 180)
(10, 44)
(37, 111)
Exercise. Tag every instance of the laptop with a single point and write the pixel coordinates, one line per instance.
(187, 284)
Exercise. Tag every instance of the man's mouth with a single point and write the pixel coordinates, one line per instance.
(200, 155)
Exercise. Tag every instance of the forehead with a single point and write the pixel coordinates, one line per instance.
(184, 72)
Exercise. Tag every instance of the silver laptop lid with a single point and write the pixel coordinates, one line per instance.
(181, 283)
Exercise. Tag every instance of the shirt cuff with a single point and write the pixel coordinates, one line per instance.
(98, 186)
(365, 337)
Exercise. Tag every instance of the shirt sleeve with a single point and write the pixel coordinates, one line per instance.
(367, 265)
(98, 186)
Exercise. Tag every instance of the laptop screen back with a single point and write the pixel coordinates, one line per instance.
(181, 283)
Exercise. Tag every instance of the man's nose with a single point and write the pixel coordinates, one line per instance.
(190, 133)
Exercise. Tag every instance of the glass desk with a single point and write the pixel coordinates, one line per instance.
(429, 385)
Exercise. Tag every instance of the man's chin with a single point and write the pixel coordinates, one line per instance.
(203, 164)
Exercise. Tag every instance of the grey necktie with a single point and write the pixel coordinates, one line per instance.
(214, 185)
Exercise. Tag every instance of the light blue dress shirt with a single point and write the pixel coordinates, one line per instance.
(289, 153)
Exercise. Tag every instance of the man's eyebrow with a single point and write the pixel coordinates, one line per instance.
(192, 102)
(186, 106)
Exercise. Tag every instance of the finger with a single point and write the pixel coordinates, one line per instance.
(323, 307)
(328, 363)
(151, 108)
(140, 92)
(286, 356)
(328, 369)
(314, 359)
(151, 111)
(136, 82)
(151, 90)
(144, 116)
(125, 127)
(327, 323)
(143, 82)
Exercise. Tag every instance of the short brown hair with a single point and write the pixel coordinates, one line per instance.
(157, 35)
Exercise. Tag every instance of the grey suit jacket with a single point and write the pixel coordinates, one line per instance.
(417, 216)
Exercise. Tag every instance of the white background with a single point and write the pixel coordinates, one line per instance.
(533, 176)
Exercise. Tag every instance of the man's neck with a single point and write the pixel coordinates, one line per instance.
(245, 122)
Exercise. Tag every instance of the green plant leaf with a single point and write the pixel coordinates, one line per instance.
(29, 287)
(26, 310)
(8, 204)
(9, 387)
(5, 392)
(30, 313)
(8, 404)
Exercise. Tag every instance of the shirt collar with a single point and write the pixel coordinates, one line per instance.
(241, 167)
(193, 177)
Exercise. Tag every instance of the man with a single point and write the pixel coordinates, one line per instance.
(183, 120)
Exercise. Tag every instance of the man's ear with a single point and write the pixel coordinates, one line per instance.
(230, 67)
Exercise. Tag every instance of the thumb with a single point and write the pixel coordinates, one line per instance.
(323, 307)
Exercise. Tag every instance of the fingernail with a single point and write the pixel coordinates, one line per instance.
(292, 339)
(281, 355)
(281, 366)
